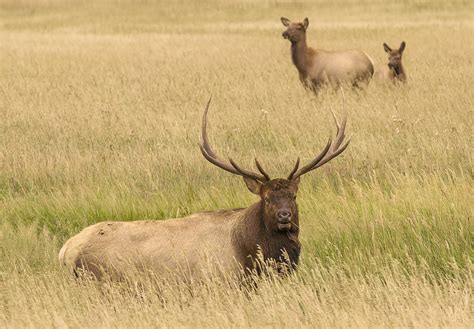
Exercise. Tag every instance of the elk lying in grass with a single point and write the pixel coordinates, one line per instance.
(394, 70)
(317, 67)
(231, 239)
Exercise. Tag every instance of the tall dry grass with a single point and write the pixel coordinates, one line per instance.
(100, 105)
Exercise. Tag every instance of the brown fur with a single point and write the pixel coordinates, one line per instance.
(394, 70)
(228, 239)
(317, 67)
(252, 235)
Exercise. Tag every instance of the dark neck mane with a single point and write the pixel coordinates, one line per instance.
(251, 235)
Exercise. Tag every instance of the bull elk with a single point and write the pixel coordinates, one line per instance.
(230, 239)
(317, 67)
(394, 70)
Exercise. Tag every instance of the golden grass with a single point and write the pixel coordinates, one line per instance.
(99, 119)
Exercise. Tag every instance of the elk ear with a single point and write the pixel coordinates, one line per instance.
(306, 23)
(285, 21)
(402, 47)
(386, 48)
(253, 185)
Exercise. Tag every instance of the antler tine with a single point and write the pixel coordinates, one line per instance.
(247, 173)
(295, 168)
(204, 143)
(260, 168)
(335, 119)
(315, 161)
(212, 157)
(217, 162)
(332, 155)
(340, 134)
(340, 129)
(331, 150)
(206, 149)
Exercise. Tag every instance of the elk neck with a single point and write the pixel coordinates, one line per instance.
(300, 55)
(250, 234)
(399, 72)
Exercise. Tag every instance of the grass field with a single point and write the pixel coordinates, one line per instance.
(100, 103)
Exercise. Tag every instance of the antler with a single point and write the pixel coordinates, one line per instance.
(330, 151)
(212, 157)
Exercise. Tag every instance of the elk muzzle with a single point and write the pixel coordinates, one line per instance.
(285, 35)
(284, 219)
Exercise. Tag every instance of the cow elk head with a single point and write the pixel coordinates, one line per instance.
(295, 32)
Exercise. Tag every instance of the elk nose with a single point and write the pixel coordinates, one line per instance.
(284, 216)
(284, 35)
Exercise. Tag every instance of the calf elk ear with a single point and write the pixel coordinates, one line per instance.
(402, 47)
(285, 21)
(306, 23)
(253, 185)
(386, 48)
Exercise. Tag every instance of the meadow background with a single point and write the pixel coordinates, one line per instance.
(100, 104)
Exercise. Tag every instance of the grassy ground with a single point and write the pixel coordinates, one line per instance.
(100, 104)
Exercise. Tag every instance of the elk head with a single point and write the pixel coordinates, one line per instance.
(394, 55)
(277, 196)
(294, 31)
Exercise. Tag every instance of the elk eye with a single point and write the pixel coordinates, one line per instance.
(267, 199)
(294, 197)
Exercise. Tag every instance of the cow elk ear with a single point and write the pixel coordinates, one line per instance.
(306, 23)
(253, 185)
(386, 48)
(285, 21)
(402, 47)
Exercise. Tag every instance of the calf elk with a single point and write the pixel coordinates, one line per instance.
(393, 71)
(317, 67)
(231, 239)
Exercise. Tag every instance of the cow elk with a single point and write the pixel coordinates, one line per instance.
(232, 240)
(317, 67)
(394, 70)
